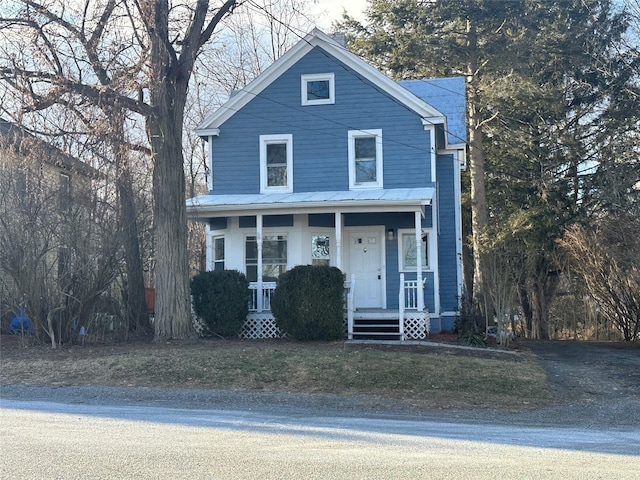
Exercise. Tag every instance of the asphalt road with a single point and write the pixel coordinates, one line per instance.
(41, 440)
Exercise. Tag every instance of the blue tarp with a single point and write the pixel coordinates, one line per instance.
(20, 323)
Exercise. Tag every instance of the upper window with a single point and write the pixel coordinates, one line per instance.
(408, 251)
(318, 89)
(365, 159)
(276, 163)
(64, 193)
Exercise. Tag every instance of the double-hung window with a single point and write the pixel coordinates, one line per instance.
(365, 159)
(274, 257)
(318, 89)
(218, 253)
(276, 163)
(408, 251)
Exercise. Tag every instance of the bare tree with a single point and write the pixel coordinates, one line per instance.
(56, 254)
(606, 261)
(134, 55)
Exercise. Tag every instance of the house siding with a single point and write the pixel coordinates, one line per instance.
(320, 133)
(447, 257)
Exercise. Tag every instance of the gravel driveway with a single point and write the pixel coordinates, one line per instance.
(594, 385)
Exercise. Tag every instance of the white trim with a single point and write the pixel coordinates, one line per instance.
(459, 152)
(210, 160)
(329, 77)
(316, 38)
(430, 250)
(338, 230)
(209, 248)
(435, 241)
(352, 136)
(207, 133)
(457, 188)
(265, 140)
(432, 151)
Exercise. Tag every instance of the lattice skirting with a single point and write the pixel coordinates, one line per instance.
(416, 325)
(260, 325)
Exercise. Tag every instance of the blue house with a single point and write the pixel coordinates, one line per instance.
(324, 160)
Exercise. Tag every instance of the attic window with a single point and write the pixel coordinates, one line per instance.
(318, 89)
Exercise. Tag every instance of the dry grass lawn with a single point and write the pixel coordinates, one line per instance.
(429, 378)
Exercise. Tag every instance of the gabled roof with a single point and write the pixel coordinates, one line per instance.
(318, 39)
(17, 137)
(448, 96)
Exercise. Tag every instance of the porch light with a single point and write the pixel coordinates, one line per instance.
(390, 234)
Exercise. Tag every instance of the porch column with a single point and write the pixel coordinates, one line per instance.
(338, 223)
(420, 290)
(259, 244)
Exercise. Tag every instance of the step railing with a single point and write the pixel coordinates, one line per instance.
(349, 292)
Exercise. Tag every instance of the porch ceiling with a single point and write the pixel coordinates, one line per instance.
(375, 200)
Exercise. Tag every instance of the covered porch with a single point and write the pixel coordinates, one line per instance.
(364, 234)
(409, 322)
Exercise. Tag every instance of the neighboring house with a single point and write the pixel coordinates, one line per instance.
(39, 190)
(35, 165)
(324, 160)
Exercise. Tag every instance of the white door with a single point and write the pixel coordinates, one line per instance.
(365, 262)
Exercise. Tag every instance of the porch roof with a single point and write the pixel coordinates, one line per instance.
(375, 200)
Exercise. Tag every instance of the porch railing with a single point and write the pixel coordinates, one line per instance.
(349, 288)
(267, 291)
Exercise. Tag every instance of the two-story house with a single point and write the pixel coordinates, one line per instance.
(41, 188)
(324, 160)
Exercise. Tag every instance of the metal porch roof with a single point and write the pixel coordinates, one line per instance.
(381, 200)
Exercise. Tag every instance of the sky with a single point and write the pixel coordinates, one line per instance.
(331, 10)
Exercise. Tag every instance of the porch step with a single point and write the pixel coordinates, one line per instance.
(382, 327)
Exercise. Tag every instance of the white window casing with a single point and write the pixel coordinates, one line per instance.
(406, 250)
(276, 166)
(365, 159)
(317, 89)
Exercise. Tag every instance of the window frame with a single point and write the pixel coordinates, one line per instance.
(265, 140)
(317, 77)
(64, 192)
(429, 260)
(214, 259)
(352, 136)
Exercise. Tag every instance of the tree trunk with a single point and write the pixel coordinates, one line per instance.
(172, 312)
(136, 301)
(480, 300)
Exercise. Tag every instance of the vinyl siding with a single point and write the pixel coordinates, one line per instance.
(319, 132)
(447, 246)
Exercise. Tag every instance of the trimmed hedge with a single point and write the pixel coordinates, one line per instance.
(308, 303)
(221, 300)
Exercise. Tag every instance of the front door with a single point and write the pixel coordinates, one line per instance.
(365, 262)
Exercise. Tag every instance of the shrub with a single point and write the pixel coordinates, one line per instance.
(308, 303)
(221, 299)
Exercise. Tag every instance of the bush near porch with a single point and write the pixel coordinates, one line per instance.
(308, 303)
(221, 300)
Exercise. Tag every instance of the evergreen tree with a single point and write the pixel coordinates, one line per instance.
(544, 83)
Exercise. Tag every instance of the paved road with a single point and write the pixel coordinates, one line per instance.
(68, 441)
